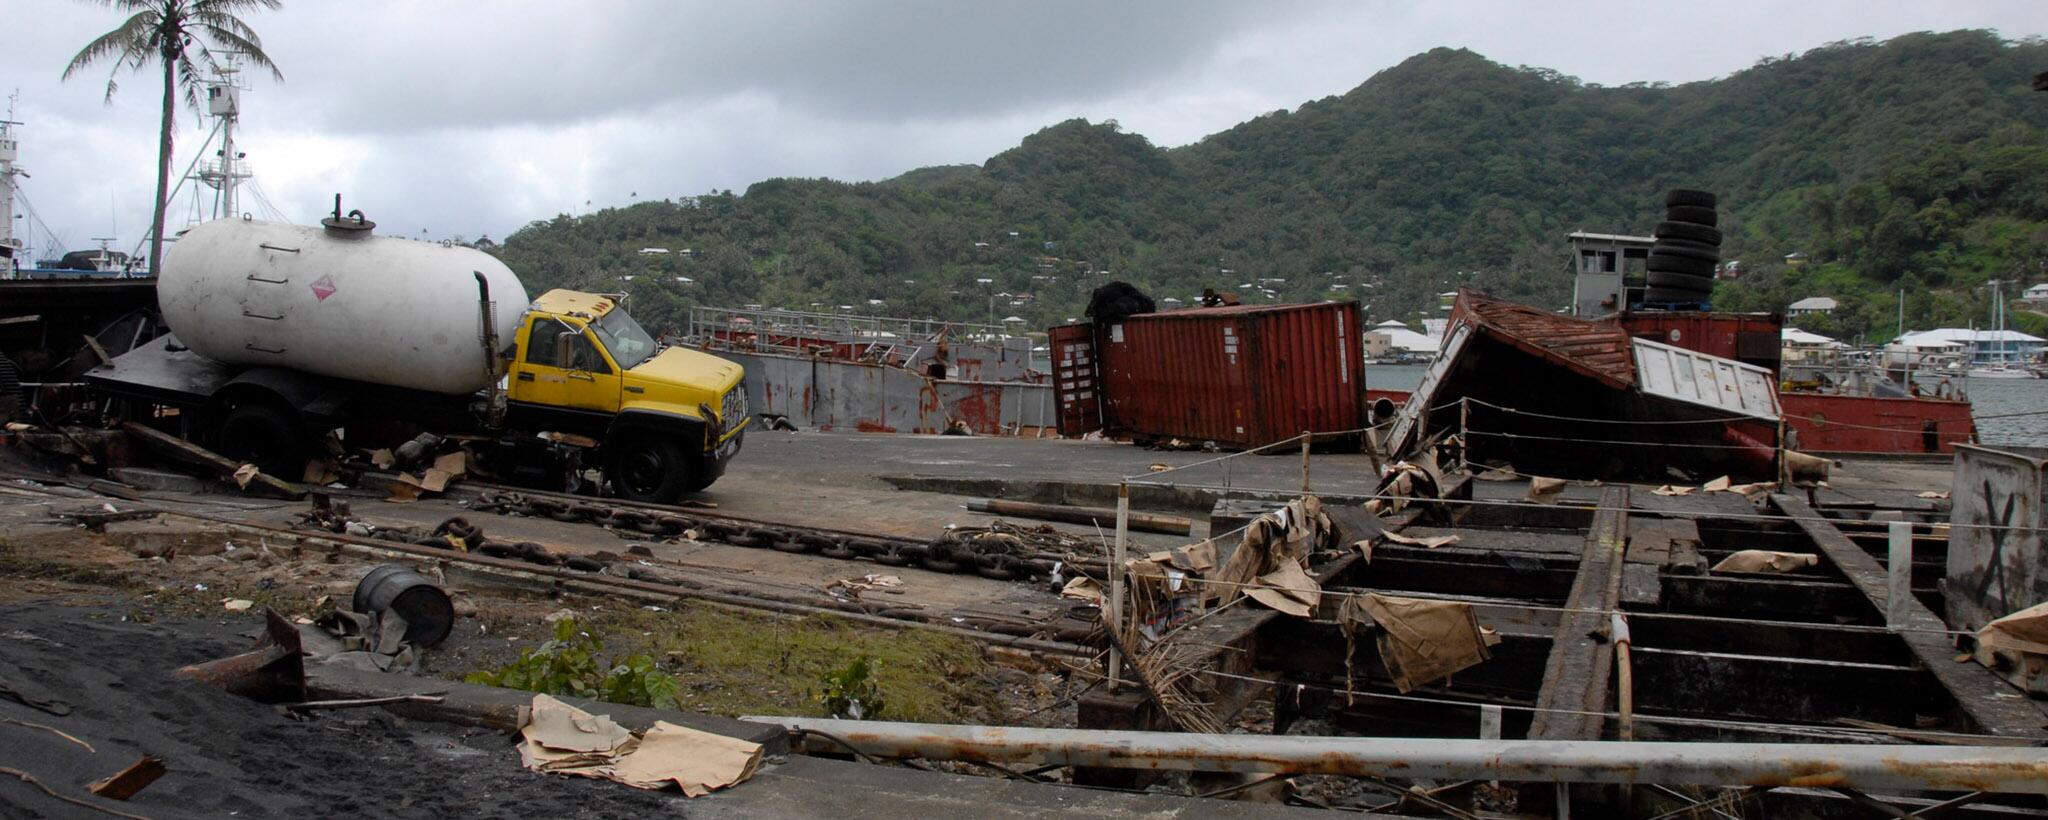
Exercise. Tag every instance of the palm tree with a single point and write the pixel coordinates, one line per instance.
(177, 34)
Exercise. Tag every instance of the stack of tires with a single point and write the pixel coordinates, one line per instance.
(1681, 264)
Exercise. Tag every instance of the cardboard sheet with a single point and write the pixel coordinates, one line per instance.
(563, 739)
(1423, 641)
(1766, 561)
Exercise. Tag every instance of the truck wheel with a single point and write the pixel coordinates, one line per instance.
(261, 435)
(648, 468)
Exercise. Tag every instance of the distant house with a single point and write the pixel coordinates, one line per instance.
(1795, 259)
(1800, 346)
(1391, 338)
(2037, 295)
(1981, 346)
(1811, 304)
(653, 251)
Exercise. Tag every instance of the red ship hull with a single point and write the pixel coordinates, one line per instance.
(1872, 424)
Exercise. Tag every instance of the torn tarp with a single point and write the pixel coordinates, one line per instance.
(1420, 641)
(1271, 558)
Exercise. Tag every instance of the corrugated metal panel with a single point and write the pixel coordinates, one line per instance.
(1597, 349)
(1240, 376)
(1419, 402)
(1697, 378)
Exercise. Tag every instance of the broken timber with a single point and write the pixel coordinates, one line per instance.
(194, 454)
(1581, 658)
(1992, 705)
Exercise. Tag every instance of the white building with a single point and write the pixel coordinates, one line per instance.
(1811, 304)
(1802, 347)
(1392, 339)
(1979, 346)
(2037, 295)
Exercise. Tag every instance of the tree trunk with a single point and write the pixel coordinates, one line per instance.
(163, 162)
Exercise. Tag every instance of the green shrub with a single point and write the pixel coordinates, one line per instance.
(570, 665)
(851, 691)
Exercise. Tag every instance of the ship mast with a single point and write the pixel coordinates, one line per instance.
(10, 245)
(226, 171)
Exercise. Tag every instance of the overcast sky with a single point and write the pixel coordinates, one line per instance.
(464, 117)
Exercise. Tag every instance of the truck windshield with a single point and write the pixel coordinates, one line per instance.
(623, 337)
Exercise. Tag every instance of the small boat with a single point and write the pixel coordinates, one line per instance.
(2002, 371)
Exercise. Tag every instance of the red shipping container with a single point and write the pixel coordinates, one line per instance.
(1750, 338)
(1241, 376)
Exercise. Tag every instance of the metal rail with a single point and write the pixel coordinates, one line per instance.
(995, 559)
(649, 586)
(1812, 765)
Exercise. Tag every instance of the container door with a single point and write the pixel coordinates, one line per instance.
(1076, 379)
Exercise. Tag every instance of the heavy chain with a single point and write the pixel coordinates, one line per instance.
(988, 552)
(457, 534)
(453, 534)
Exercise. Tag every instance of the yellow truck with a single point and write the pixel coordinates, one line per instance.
(283, 333)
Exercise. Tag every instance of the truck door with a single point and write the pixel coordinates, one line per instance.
(538, 377)
(561, 365)
(593, 380)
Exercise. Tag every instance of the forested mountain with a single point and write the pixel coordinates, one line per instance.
(1918, 163)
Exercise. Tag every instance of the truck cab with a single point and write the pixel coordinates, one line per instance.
(668, 420)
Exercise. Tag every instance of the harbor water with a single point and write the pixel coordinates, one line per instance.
(1995, 403)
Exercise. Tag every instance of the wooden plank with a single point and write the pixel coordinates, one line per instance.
(194, 454)
(1992, 705)
(1581, 662)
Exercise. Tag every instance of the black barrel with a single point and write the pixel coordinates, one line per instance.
(429, 614)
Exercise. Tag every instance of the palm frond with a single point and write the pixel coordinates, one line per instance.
(251, 49)
(129, 42)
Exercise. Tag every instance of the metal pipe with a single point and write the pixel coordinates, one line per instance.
(1806, 765)
(1091, 516)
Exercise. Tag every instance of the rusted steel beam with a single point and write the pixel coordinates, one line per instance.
(1575, 679)
(1870, 768)
(1991, 704)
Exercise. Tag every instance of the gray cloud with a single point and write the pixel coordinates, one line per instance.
(468, 117)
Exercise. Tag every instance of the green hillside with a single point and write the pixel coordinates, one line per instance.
(1916, 163)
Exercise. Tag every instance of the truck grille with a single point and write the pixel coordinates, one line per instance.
(734, 409)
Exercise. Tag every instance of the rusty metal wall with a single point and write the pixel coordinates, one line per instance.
(1750, 338)
(1994, 549)
(1239, 376)
(824, 394)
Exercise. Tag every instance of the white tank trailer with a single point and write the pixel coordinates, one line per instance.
(344, 304)
(283, 334)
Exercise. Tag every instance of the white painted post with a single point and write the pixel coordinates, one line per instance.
(1900, 568)
(1489, 721)
(1116, 579)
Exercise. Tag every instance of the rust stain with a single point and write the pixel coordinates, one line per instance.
(866, 426)
(982, 409)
